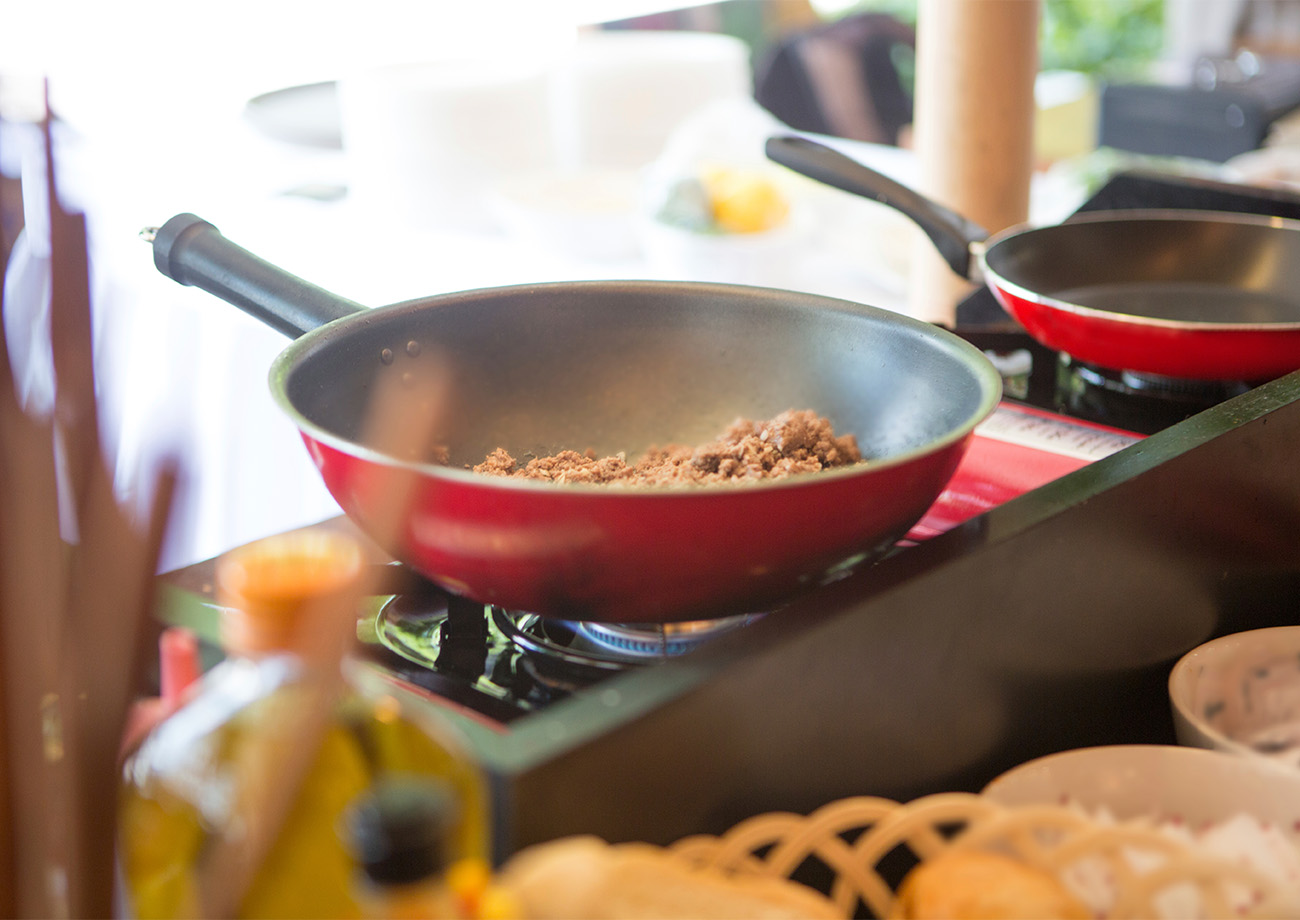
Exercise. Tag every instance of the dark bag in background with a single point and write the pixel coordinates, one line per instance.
(851, 78)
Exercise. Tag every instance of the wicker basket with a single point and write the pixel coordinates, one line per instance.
(851, 837)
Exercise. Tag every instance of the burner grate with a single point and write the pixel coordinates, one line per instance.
(487, 658)
(1145, 403)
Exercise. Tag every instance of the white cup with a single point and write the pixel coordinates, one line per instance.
(617, 96)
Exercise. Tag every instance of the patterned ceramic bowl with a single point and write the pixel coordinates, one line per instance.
(1241, 693)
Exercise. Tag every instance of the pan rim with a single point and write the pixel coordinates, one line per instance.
(983, 374)
(1173, 215)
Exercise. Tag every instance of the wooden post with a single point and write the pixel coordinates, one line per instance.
(973, 122)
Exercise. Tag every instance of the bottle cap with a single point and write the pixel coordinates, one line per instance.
(398, 829)
(268, 587)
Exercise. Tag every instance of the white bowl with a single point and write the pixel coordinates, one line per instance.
(1158, 781)
(769, 258)
(1228, 811)
(1241, 693)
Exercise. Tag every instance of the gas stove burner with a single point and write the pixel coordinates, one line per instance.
(1133, 400)
(1178, 388)
(504, 663)
(658, 640)
(568, 654)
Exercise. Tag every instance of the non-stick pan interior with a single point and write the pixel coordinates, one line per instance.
(1200, 268)
(623, 366)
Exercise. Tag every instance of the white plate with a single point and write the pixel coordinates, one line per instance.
(307, 115)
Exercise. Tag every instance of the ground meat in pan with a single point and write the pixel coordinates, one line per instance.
(796, 441)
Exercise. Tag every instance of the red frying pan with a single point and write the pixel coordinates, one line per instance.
(1194, 295)
(616, 366)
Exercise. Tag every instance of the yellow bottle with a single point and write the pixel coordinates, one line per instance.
(232, 805)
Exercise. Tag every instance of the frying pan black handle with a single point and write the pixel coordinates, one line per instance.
(952, 234)
(192, 251)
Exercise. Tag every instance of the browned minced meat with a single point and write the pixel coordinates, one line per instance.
(796, 441)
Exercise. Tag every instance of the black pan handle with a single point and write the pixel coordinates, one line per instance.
(952, 234)
(192, 251)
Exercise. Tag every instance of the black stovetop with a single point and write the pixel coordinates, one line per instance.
(503, 665)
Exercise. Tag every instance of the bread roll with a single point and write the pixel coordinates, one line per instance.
(982, 885)
(585, 878)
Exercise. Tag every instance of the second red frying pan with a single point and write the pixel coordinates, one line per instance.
(1194, 295)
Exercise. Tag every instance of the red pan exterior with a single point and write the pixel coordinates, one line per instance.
(1234, 277)
(647, 556)
(1170, 349)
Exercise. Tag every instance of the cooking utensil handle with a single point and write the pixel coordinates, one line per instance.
(191, 251)
(953, 235)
